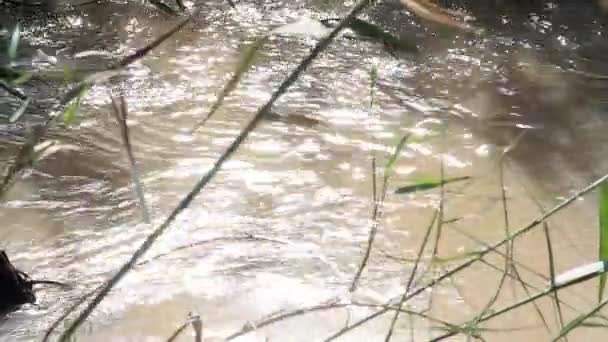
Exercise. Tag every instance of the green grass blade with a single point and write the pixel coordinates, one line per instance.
(594, 325)
(21, 77)
(70, 113)
(579, 321)
(242, 67)
(395, 154)
(462, 256)
(12, 76)
(424, 185)
(14, 44)
(603, 236)
(19, 112)
(302, 28)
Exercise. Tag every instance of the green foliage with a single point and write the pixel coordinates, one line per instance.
(424, 184)
(395, 155)
(14, 44)
(72, 109)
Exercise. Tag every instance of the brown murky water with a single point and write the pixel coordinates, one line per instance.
(285, 223)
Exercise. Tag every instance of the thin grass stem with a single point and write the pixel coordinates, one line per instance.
(202, 183)
(120, 114)
(525, 229)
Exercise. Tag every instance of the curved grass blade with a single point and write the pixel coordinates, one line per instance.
(395, 154)
(70, 113)
(488, 249)
(21, 78)
(603, 235)
(19, 112)
(579, 321)
(424, 185)
(303, 27)
(242, 67)
(14, 43)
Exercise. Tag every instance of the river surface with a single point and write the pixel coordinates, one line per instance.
(285, 223)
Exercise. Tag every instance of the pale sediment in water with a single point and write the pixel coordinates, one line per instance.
(285, 223)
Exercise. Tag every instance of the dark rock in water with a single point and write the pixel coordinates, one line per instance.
(15, 286)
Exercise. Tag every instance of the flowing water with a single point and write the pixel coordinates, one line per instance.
(285, 223)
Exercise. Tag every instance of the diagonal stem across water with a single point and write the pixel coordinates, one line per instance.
(480, 255)
(200, 185)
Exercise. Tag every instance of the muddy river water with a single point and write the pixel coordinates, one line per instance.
(285, 223)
